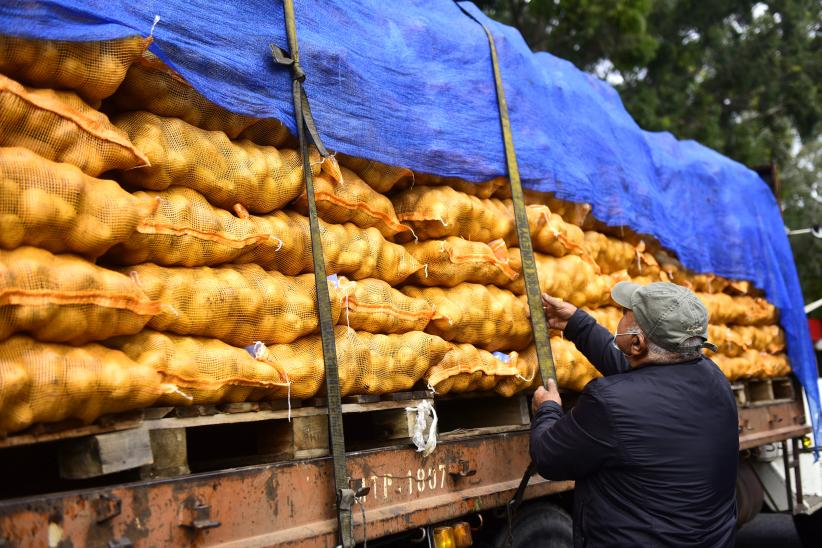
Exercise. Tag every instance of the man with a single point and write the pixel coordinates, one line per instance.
(653, 445)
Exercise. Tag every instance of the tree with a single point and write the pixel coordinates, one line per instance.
(802, 187)
(740, 76)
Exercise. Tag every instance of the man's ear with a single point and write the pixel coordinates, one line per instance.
(639, 345)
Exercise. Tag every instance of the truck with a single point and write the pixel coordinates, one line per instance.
(407, 467)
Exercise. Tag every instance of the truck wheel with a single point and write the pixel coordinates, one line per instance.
(540, 524)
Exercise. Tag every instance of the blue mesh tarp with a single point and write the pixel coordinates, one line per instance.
(409, 83)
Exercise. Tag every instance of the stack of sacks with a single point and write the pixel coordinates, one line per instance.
(58, 214)
(231, 252)
(743, 325)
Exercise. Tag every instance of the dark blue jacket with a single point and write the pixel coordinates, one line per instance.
(653, 450)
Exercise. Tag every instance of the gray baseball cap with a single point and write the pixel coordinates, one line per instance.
(668, 313)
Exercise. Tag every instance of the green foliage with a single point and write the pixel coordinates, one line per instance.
(740, 76)
(802, 208)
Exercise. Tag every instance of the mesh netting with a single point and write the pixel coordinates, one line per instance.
(352, 200)
(42, 382)
(570, 278)
(206, 371)
(348, 249)
(226, 172)
(238, 304)
(152, 86)
(607, 316)
(63, 298)
(92, 69)
(374, 306)
(439, 212)
(59, 126)
(613, 255)
(455, 260)
(380, 177)
(753, 364)
(723, 308)
(466, 368)
(549, 232)
(573, 369)
(57, 207)
(735, 340)
(480, 190)
(368, 363)
(483, 315)
(186, 230)
(395, 362)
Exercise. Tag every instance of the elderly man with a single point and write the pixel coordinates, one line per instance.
(653, 445)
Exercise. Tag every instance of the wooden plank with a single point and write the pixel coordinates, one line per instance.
(170, 454)
(225, 418)
(467, 433)
(376, 406)
(66, 430)
(102, 454)
(394, 424)
(310, 436)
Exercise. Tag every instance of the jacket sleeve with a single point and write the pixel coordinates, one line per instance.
(594, 341)
(573, 446)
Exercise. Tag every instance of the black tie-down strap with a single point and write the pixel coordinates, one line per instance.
(305, 123)
(545, 357)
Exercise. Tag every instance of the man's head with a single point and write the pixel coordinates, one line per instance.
(661, 323)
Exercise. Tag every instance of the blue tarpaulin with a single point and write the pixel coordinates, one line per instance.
(410, 83)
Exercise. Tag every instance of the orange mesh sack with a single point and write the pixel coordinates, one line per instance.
(570, 278)
(439, 212)
(480, 190)
(610, 254)
(57, 207)
(466, 368)
(92, 69)
(454, 260)
(348, 249)
(723, 308)
(368, 364)
(41, 382)
(528, 375)
(352, 200)
(380, 177)
(186, 230)
(238, 304)
(728, 342)
(395, 362)
(753, 365)
(153, 86)
(483, 315)
(571, 212)
(302, 360)
(59, 126)
(607, 316)
(206, 371)
(63, 298)
(375, 307)
(767, 338)
(574, 371)
(226, 172)
(549, 232)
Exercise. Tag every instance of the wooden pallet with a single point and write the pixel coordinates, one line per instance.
(758, 392)
(172, 441)
(476, 413)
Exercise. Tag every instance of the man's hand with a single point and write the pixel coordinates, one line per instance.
(543, 395)
(557, 311)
